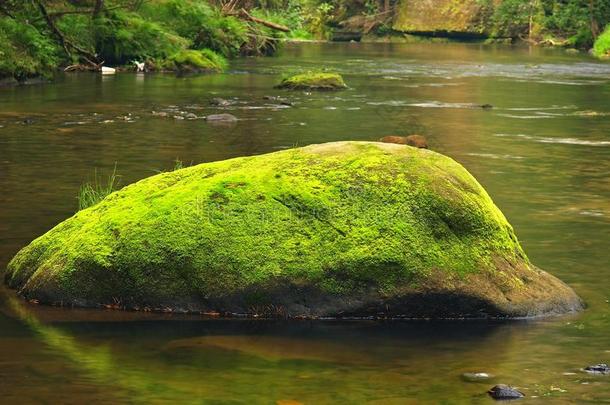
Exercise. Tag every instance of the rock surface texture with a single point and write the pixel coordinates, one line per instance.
(361, 229)
(464, 17)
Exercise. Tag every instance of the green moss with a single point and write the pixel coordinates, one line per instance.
(313, 81)
(602, 44)
(345, 219)
(198, 60)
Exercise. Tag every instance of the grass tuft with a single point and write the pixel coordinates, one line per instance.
(93, 192)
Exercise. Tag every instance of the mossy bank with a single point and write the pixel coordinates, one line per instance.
(338, 229)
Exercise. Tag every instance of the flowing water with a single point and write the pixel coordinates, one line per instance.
(542, 152)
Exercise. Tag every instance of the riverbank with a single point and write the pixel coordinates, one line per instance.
(39, 38)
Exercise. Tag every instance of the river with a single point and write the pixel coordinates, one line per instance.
(542, 152)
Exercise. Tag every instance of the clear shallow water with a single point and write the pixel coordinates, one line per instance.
(542, 152)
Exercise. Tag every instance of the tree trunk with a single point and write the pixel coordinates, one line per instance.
(593, 22)
(97, 10)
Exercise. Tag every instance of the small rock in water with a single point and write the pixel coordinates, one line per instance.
(476, 377)
(160, 114)
(191, 116)
(221, 118)
(601, 368)
(221, 102)
(502, 391)
(278, 99)
(487, 106)
(417, 141)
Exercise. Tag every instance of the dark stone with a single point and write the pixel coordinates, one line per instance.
(487, 106)
(504, 392)
(601, 368)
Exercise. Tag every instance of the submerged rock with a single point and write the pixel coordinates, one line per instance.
(221, 102)
(313, 81)
(476, 377)
(221, 118)
(601, 368)
(417, 141)
(338, 229)
(502, 391)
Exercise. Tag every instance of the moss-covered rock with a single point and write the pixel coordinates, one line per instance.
(466, 17)
(338, 229)
(313, 81)
(191, 60)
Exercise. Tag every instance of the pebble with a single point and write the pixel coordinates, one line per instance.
(221, 102)
(221, 118)
(476, 377)
(601, 368)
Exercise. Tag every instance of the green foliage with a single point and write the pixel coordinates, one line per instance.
(573, 22)
(512, 18)
(202, 25)
(123, 36)
(25, 51)
(602, 45)
(79, 28)
(293, 18)
(93, 192)
(319, 18)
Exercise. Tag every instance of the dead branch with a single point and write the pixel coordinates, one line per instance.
(247, 16)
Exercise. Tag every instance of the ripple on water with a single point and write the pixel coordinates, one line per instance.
(528, 117)
(496, 156)
(567, 141)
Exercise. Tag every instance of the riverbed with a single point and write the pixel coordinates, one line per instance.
(542, 152)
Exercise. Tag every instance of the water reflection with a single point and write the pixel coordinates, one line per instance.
(149, 360)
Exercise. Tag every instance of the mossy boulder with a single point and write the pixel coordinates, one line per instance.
(337, 229)
(192, 60)
(459, 18)
(313, 81)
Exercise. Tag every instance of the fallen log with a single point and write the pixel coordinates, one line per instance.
(247, 16)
